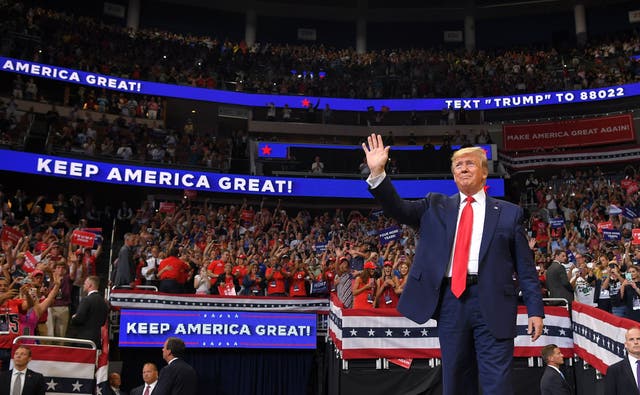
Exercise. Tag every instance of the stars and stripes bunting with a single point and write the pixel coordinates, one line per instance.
(67, 370)
(384, 333)
(154, 300)
(599, 336)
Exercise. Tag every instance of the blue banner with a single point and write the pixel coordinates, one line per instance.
(267, 149)
(320, 247)
(556, 223)
(376, 214)
(629, 212)
(611, 234)
(389, 234)
(259, 100)
(218, 329)
(144, 176)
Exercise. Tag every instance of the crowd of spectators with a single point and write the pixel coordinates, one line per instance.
(87, 133)
(582, 234)
(84, 43)
(126, 139)
(582, 219)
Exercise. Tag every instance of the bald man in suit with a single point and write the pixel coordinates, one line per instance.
(150, 378)
(32, 383)
(620, 379)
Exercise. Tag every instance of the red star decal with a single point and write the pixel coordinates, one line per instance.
(306, 102)
(266, 150)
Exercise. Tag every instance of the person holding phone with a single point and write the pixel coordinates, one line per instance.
(630, 294)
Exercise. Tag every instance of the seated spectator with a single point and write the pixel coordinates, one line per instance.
(317, 167)
(124, 150)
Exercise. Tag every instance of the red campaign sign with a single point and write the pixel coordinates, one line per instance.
(167, 207)
(635, 236)
(82, 238)
(403, 362)
(227, 290)
(247, 216)
(572, 133)
(605, 225)
(30, 262)
(12, 235)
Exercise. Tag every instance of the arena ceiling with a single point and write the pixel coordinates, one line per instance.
(399, 10)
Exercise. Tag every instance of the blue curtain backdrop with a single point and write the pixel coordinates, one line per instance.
(234, 371)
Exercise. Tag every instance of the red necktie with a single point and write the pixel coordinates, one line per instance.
(461, 253)
(147, 390)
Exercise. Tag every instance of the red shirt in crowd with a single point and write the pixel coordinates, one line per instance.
(276, 284)
(216, 267)
(179, 270)
(11, 310)
(240, 271)
(297, 286)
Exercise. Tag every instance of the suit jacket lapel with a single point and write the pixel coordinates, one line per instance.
(628, 372)
(451, 220)
(491, 215)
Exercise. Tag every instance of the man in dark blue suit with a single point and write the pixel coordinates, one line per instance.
(28, 381)
(553, 381)
(620, 379)
(178, 377)
(92, 313)
(475, 300)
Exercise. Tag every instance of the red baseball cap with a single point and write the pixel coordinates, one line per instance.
(369, 265)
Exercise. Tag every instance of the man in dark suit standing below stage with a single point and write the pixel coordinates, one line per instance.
(178, 377)
(115, 381)
(556, 278)
(623, 377)
(150, 378)
(20, 380)
(469, 288)
(92, 313)
(553, 381)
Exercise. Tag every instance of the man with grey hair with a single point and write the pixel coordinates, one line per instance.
(125, 270)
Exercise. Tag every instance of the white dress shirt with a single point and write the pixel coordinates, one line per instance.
(634, 367)
(479, 209)
(147, 273)
(151, 387)
(557, 370)
(23, 376)
(476, 233)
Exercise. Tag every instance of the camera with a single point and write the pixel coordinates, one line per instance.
(612, 265)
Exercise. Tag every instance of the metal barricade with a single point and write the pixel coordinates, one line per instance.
(54, 339)
(69, 365)
(557, 302)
